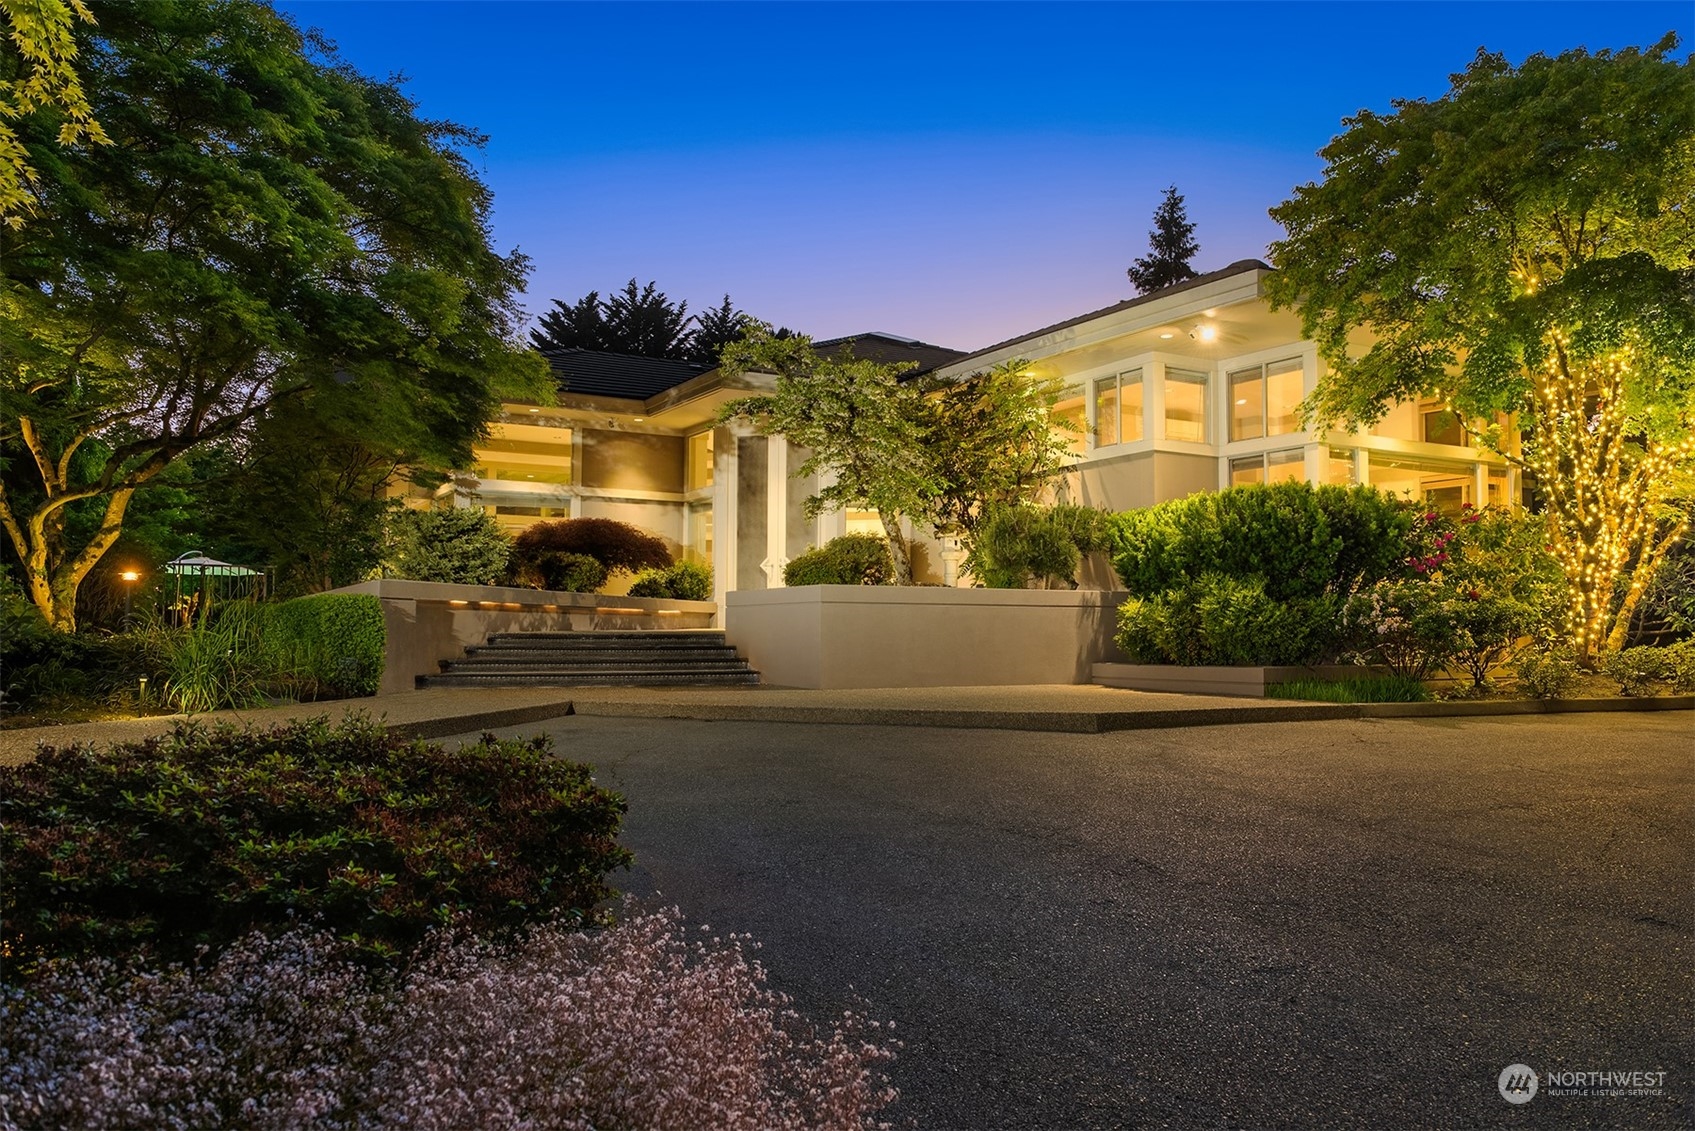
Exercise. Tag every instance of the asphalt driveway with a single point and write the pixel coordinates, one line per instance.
(1336, 924)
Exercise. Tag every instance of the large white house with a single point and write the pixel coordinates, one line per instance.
(1191, 388)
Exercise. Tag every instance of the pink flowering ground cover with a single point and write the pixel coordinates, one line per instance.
(634, 1026)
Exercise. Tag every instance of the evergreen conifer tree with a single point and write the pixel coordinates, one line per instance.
(1171, 245)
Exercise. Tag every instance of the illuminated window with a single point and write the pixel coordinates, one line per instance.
(1247, 404)
(699, 546)
(1272, 467)
(1118, 409)
(1185, 405)
(1247, 471)
(1283, 393)
(697, 470)
(1437, 483)
(1283, 466)
(522, 453)
(1071, 423)
(1441, 426)
(1339, 467)
(865, 522)
(1265, 400)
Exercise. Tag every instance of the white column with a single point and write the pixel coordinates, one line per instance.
(725, 472)
(1313, 462)
(1362, 467)
(1480, 485)
(776, 511)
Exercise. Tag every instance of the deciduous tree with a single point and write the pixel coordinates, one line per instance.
(1524, 244)
(38, 74)
(267, 222)
(862, 424)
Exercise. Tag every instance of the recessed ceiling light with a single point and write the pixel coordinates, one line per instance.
(1167, 336)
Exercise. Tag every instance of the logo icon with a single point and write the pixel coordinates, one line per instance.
(1518, 1083)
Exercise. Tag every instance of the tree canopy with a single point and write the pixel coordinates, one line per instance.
(267, 223)
(1171, 245)
(38, 73)
(940, 453)
(642, 320)
(1523, 245)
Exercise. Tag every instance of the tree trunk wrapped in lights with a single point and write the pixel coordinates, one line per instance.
(1522, 245)
(1610, 500)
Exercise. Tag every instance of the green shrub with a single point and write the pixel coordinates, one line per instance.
(1403, 624)
(560, 572)
(1637, 669)
(852, 559)
(1364, 689)
(685, 581)
(37, 663)
(1305, 541)
(618, 546)
(1226, 621)
(1546, 675)
(1680, 659)
(460, 545)
(195, 838)
(1017, 544)
(326, 646)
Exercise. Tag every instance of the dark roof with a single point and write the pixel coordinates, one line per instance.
(593, 373)
(1236, 268)
(891, 347)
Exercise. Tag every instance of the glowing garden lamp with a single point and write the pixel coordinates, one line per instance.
(130, 577)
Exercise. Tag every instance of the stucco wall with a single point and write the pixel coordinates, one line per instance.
(837, 636)
(632, 461)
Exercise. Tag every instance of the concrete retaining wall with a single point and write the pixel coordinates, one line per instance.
(428, 622)
(1213, 680)
(841, 636)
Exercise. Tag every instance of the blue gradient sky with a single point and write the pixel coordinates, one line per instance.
(955, 172)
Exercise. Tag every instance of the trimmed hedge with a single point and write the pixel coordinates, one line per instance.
(685, 581)
(333, 642)
(852, 559)
(1252, 575)
(1305, 541)
(198, 837)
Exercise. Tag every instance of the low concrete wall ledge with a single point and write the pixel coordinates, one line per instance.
(860, 636)
(427, 622)
(1247, 682)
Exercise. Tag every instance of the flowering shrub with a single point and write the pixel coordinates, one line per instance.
(630, 1027)
(197, 837)
(1469, 592)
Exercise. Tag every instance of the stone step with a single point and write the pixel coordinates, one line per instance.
(592, 663)
(513, 652)
(625, 678)
(607, 641)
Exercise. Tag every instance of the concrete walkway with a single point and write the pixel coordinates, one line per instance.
(439, 712)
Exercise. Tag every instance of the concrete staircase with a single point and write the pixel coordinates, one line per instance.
(697, 658)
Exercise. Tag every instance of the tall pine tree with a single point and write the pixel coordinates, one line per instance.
(1171, 245)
